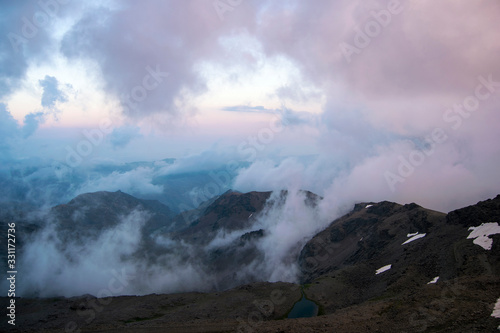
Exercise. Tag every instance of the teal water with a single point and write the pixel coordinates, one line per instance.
(303, 309)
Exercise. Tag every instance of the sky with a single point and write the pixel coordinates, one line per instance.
(354, 100)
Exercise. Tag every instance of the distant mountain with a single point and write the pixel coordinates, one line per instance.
(220, 238)
(90, 213)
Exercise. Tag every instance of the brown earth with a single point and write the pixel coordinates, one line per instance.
(461, 305)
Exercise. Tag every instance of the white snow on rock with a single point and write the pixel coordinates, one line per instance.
(417, 236)
(411, 235)
(496, 310)
(481, 233)
(383, 269)
(433, 280)
(368, 206)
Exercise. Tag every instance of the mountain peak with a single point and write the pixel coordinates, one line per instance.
(92, 212)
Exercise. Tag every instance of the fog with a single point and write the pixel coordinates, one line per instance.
(120, 260)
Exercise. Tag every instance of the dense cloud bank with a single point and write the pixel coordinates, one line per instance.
(126, 258)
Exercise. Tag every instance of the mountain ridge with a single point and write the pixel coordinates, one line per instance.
(438, 278)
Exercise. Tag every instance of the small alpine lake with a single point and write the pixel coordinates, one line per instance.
(303, 308)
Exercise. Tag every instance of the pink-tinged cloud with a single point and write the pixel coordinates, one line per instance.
(428, 54)
(391, 72)
(147, 51)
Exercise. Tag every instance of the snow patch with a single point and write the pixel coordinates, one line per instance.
(368, 206)
(496, 310)
(433, 280)
(383, 269)
(411, 235)
(417, 236)
(482, 232)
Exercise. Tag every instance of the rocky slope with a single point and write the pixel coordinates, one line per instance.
(339, 269)
(230, 212)
(339, 264)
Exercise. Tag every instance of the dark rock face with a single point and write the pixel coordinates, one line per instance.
(340, 262)
(231, 211)
(366, 234)
(482, 212)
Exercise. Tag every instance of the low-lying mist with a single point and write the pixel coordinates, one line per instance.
(124, 260)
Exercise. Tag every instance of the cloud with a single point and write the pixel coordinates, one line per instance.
(147, 52)
(288, 116)
(31, 122)
(51, 95)
(24, 42)
(266, 175)
(80, 268)
(121, 136)
(9, 131)
(86, 264)
(116, 257)
(208, 160)
(247, 108)
(407, 73)
(138, 182)
(51, 92)
(289, 224)
(392, 93)
(298, 92)
(297, 118)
